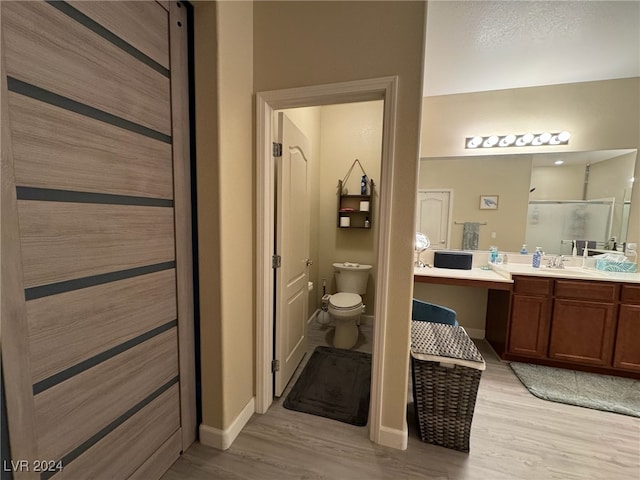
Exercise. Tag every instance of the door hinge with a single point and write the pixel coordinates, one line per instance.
(277, 149)
(276, 261)
(275, 365)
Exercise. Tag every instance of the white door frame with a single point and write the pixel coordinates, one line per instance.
(384, 88)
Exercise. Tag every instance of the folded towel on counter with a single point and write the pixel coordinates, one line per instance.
(470, 235)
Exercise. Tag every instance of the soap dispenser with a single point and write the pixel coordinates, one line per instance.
(523, 250)
(537, 256)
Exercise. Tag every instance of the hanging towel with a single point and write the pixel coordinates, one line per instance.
(470, 235)
(580, 244)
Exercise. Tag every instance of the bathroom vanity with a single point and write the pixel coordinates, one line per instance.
(575, 318)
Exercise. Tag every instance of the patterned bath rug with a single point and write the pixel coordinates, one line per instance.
(584, 389)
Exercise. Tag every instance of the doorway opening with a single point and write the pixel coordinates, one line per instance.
(267, 103)
(309, 235)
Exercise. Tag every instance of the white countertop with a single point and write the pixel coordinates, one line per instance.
(473, 274)
(578, 273)
(504, 273)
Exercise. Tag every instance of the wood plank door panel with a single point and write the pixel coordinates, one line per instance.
(97, 306)
(66, 60)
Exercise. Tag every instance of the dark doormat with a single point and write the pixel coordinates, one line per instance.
(335, 384)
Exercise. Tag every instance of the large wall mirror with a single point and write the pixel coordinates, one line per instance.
(580, 196)
(546, 200)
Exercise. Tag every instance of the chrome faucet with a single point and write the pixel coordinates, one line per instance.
(556, 262)
(560, 261)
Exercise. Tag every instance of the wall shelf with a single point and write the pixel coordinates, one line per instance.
(349, 207)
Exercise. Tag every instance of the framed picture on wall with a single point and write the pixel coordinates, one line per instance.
(488, 202)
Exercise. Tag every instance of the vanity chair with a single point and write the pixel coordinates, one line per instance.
(429, 312)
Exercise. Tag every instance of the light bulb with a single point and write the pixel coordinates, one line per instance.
(524, 139)
(491, 141)
(545, 137)
(474, 142)
(564, 136)
(507, 141)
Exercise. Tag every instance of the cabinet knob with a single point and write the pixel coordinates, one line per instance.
(309, 262)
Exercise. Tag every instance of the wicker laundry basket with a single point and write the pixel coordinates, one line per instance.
(446, 370)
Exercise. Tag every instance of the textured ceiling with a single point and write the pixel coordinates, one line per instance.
(484, 45)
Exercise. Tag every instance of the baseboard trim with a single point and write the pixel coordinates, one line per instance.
(222, 439)
(393, 438)
(477, 333)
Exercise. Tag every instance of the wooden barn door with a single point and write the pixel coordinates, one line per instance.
(97, 321)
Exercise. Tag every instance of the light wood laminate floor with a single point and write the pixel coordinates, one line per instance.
(514, 436)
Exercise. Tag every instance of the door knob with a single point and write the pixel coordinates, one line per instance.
(309, 262)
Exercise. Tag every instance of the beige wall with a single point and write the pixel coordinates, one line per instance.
(310, 43)
(565, 182)
(470, 304)
(469, 177)
(225, 179)
(600, 115)
(349, 131)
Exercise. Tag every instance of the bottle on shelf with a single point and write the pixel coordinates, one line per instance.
(363, 185)
(367, 223)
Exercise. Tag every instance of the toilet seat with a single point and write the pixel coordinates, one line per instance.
(345, 301)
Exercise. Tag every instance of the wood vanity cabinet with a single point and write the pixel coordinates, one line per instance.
(583, 325)
(530, 316)
(627, 349)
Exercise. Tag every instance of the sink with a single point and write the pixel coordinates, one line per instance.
(569, 272)
(566, 272)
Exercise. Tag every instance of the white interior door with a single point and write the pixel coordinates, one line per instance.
(433, 216)
(292, 244)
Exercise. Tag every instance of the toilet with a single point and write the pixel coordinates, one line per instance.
(345, 307)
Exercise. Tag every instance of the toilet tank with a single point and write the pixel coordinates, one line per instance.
(352, 277)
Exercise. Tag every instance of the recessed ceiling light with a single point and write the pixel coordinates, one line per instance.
(558, 162)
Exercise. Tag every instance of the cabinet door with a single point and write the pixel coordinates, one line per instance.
(627, 354)
(582, 332)
(529, 326)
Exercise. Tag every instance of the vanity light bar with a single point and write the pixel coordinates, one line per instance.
(527, 139)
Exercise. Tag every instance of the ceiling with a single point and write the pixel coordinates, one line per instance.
(474, 46)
